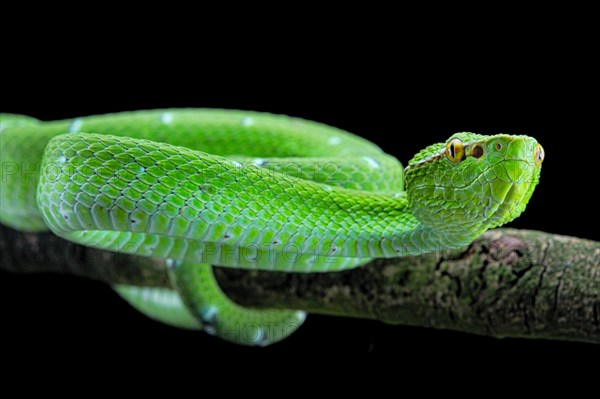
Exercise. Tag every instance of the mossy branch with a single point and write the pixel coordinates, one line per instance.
(508, 283)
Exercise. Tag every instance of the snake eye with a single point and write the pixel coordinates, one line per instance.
(538, 155)
(455, 150)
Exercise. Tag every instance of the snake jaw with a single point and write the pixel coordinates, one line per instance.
(517, 196)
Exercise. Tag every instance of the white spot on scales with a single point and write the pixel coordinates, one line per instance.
(166, 118)
(300, 315)
(247, 121)
(208, 313)
(372, 163)
(334, 141)
(75, 125)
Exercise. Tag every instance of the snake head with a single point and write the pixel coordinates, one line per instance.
(473, 182)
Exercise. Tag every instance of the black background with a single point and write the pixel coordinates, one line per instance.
(403, 103)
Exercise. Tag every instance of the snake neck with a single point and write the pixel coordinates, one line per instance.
(421, 239)
(358, 224)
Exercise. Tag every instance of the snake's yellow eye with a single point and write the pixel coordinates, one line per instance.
(538, 155)
(455, 150)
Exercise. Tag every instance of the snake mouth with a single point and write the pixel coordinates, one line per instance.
(515, 171)
(503, 175)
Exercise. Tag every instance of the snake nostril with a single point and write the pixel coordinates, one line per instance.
(498, 146)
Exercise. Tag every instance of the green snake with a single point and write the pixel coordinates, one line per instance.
(204, 187)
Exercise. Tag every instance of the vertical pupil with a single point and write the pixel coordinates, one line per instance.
(452, 150)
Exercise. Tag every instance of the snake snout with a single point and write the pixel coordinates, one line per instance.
(516, 148)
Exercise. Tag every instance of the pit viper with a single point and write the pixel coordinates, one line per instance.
(206, 187)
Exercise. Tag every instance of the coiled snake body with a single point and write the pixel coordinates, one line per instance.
(202, 187)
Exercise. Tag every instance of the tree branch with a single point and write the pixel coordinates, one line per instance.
(508, 283)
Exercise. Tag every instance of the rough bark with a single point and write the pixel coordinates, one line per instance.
(508, 283)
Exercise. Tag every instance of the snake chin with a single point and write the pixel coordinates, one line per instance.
(515, 200)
